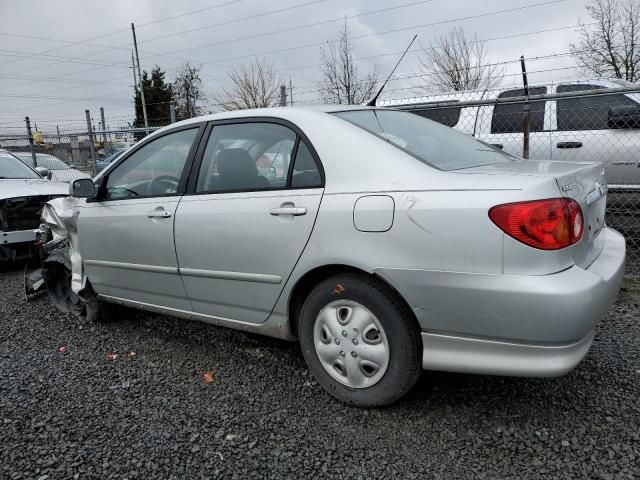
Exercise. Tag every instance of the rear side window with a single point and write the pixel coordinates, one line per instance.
(431, 143)
(254, 156)
(509, 117)
(587, 113)
(449, 116)
(305, 170)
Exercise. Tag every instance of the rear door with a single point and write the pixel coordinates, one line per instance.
(247, 218)
(502, 125)
(582, 134)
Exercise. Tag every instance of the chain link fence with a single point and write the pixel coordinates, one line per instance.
(79, 150)
(589, 121)
(576, 122)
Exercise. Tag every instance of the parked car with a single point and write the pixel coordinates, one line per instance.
(58, 170)
(603, 128)
(102, 164)
(23, 192)
(389, 244)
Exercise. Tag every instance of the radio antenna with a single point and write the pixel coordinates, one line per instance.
(372, 102)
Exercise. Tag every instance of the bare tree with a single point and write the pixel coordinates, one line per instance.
(609, 46)
(342, 82)
(455, 62)
(254, 86)
(188, 92)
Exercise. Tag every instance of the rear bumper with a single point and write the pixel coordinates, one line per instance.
(491, 357)
(510, 324)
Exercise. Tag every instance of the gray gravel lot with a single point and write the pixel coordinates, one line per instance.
(76, 413)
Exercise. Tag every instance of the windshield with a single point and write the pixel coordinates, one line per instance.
(428, 141)
(51, 163)
(11, 167)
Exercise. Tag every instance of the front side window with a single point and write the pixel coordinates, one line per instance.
(509, 117)
(441, 147)
(246, 157)
(154, 169)
(587, 113)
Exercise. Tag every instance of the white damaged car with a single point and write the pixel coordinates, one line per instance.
(23, 192)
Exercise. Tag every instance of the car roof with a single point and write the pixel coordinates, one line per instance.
(279, 112)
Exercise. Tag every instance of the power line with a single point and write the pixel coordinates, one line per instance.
(108, 48)
(250, 17)
(299, 27)
(386, 32)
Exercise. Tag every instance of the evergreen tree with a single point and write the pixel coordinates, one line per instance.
(157, 96)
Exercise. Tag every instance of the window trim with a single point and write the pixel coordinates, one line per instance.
(182, 184)
(300, 135)
(560, 89)
(543, 111)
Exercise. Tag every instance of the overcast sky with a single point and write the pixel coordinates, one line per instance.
(58, 58)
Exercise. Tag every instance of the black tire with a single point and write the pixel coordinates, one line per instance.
(400, 327)
(86, 307)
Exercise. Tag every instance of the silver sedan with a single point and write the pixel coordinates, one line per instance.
(383, 242)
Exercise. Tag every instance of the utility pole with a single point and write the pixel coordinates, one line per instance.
(104, 128)
(144, 105)
(172, 112)
(291, 91)
(526, 121)
(33, 151)
(283, 95)
(133, 69)
(91, 146)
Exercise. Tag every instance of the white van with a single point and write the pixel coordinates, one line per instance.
(603, 128)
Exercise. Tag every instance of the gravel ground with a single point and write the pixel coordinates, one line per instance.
(68, 409)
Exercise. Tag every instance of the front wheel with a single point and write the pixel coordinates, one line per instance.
(360, 341)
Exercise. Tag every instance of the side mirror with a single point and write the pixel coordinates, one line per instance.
(627, 116)
(82, 188)
(43, 172)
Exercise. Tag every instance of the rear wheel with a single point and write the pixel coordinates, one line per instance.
(360, 341)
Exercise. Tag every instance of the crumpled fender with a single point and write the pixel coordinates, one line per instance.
(59, 232)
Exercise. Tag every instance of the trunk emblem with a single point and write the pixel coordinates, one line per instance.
(566, 188)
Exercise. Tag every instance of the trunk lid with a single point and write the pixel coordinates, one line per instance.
(583, 182)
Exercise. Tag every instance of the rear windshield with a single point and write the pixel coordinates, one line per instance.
(434, 144)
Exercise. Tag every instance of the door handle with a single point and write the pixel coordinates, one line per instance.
(569, 144)
(159, 214)
(296, 211)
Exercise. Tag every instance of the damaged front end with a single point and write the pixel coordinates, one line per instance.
(60, 271)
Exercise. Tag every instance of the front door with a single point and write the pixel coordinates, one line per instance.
(127, 241)
(247, 218)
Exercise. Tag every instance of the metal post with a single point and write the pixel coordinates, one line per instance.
(91, 146)
(526, 122)
(283, 96)
(144, 105)
(104, 128)
(172, 111)
(31, 148)
(291, 91)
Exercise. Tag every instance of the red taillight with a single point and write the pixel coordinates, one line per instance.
(546, 224)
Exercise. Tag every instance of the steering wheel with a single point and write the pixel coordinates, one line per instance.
(162, 183)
